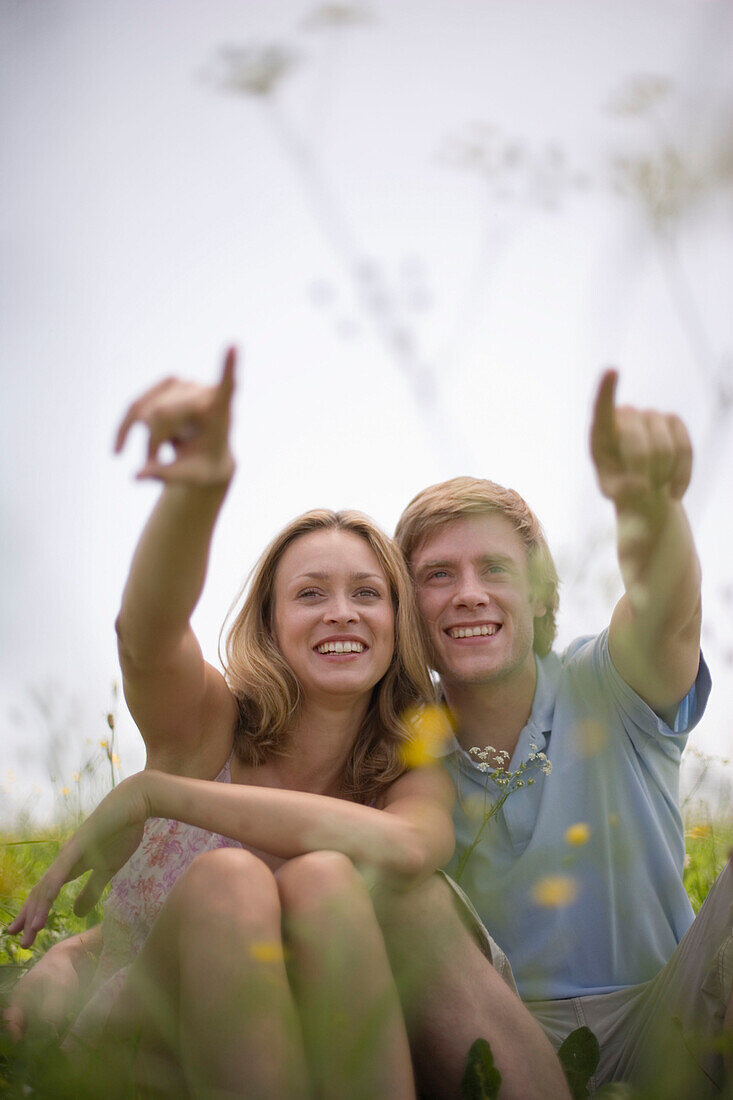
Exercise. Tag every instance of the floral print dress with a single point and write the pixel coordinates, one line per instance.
(136, 896)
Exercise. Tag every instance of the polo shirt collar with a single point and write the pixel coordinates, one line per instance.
(545, 694)
(539, 725)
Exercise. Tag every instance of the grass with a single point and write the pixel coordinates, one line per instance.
(36, 1067)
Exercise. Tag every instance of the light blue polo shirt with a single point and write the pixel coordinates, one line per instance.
(606, 913)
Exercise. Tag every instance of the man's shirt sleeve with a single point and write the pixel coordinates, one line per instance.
(590, 659)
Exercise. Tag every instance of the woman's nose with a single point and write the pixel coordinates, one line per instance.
(340, 609)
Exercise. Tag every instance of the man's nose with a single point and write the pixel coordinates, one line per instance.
(470, 592)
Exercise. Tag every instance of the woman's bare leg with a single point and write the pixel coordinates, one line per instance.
(452, 996)
(210, 985)
(356, 1041)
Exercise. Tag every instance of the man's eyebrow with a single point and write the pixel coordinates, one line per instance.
(485, 559)
(497, 559)
(437, 563)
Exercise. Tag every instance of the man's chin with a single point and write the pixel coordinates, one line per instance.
(470, 672)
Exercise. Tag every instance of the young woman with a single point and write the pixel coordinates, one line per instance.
(241, 946)
(239, 939)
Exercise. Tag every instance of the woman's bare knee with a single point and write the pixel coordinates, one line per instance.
(226, 884)
(309, 880)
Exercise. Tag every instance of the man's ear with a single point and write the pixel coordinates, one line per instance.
(539, 608)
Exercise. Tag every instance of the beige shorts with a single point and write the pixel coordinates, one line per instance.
(662, 1034)
(487, 943)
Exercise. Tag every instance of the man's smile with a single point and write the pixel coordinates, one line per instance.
(473, 630)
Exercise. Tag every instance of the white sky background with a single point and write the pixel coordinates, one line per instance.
(150, 217)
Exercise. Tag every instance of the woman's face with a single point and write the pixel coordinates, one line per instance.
(333, 620)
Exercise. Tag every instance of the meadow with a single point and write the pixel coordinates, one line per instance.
(36, 1066)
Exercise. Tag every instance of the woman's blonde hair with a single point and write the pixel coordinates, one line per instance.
(268, 692)
(448, 501)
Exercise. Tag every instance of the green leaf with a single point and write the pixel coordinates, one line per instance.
(579, 1055)
(481, 1079)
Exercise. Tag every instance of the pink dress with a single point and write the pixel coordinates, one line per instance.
(136, 896)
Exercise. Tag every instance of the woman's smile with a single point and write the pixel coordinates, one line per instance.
(334, 619)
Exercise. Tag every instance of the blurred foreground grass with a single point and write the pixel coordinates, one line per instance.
(37, 1067)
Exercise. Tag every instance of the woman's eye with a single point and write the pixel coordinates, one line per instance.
(308, 593)
(367, 594)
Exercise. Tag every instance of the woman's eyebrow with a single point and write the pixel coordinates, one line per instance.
(321, 576)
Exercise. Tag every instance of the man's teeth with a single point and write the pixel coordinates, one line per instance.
(473, 631)
(341, 647)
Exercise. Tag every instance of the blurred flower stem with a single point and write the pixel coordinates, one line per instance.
(493, 763)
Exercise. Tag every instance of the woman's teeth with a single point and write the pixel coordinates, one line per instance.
(341, 647)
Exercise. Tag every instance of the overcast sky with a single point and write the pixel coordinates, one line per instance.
(428, 224)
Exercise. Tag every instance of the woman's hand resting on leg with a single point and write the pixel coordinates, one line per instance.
(102, 845)
(50, 991)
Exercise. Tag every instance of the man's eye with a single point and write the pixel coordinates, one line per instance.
(496, 569)
(437, 575)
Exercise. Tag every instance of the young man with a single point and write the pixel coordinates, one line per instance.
(579, 875)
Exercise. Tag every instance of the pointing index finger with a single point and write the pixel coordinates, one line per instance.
(603, 428)
(226, 382)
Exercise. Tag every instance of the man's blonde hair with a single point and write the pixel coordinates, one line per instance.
(268, 692)
(448, 501)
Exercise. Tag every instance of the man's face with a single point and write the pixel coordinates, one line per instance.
(474, 595)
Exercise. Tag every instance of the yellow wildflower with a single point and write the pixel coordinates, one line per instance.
(430, 727)
(66, 790)
(699, 832)
(578, 834)
(76, 776)
(555, 891)
(115, 760)
(473, 807)
(591, 738)
(267, 951)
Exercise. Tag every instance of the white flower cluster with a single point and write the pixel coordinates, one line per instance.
(539, 758)
(499, 758)
(494, 763)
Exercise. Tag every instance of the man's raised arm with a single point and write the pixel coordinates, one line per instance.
(643, 460)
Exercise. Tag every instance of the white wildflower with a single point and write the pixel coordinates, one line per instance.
(493, 763)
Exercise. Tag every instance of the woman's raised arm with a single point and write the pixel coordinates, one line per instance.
(181, 705)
